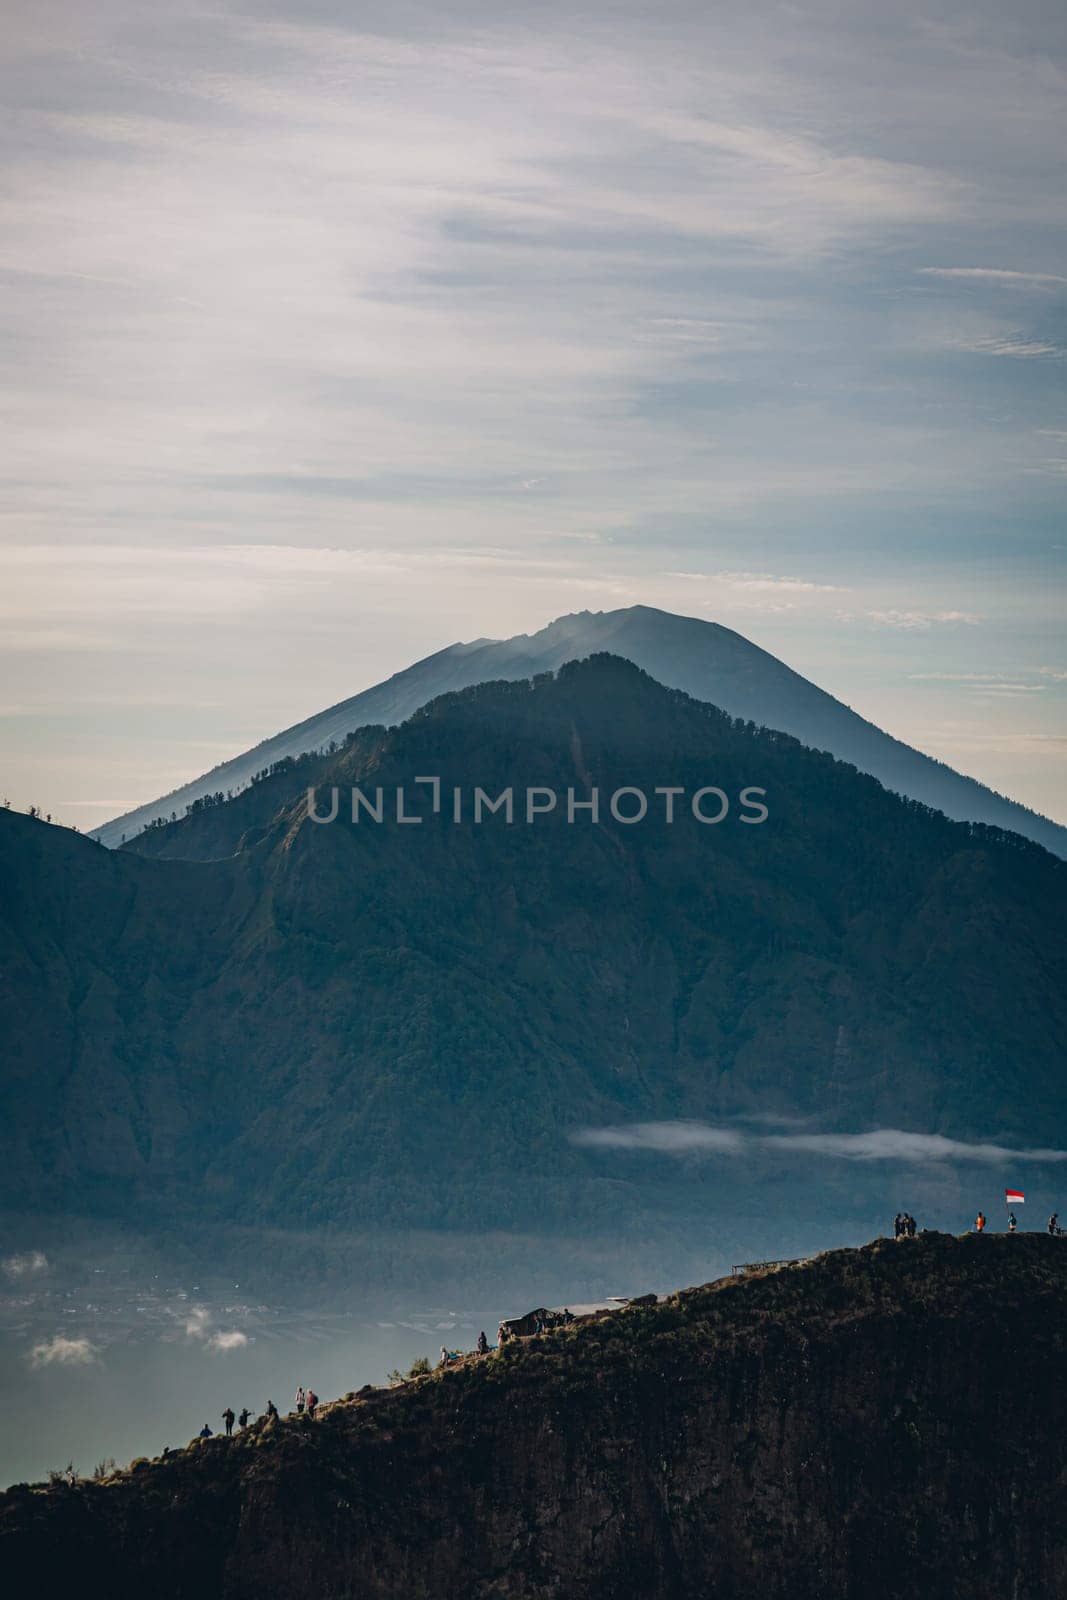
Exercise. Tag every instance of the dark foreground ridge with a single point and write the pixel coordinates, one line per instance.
(879, 1423)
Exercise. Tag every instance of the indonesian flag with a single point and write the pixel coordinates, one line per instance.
(1014, 1197)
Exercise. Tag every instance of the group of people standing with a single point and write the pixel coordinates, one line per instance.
(306, 1400)
(904, 1226)
(980, 1223)
(242, 1421)
(448, 1356)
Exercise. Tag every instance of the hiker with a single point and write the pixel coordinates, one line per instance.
(483, 1343)
(445, 1358)
(898, 1226)
(979, 1223)
(312, 1402)
(272, 1411)
(227, 1417)
(1011, 1221)
(568, 1317)
(300, 1400)
(502, 1335)
(912, 1226)
(245, 1418)
(205, 1433)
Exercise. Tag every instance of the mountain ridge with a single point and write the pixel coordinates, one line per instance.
(706, 660)
(344, 1025)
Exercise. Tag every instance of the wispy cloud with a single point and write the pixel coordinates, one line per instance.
(983, 684)
(760, 581)
(671, 1138)
(921, 619)
(881, 1144)
(965, 678)
(891, 1144)
(996, 275)
(1014, 345)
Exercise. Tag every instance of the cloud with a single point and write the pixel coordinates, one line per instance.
(197, 1325)
(31, 1264)
(759, 581)
(921, 619)
(989, 684)
(1016, 346)
(229, 1339)
(1000, 275)
(671, 1138)
(599, 283)
(197, 1322)
(881, 1144)
(891, 1144)
(63, 1352)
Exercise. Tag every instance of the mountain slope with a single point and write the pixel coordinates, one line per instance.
(708, 661)
(406, 1024)
(862, 1427)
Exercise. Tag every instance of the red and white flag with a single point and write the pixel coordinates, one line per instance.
(1014, 1197)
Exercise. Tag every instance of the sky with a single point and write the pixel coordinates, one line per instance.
(332, 334)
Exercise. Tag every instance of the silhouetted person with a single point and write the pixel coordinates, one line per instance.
(272, 1411)
(911, 1226)
(205, 1433)
(898, 1226)
(227, 1417)
(483, 1343)
(245, 1418)
(1011, 1222)
(312, 1402)
(1054, 1224)
(300, 1400)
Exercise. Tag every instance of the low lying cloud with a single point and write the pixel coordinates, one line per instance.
(891, 1144)
(29, 1265)
(197, 1322)
(63, 1352)
(230, 1339)
(881, 1144)
(670, 1138)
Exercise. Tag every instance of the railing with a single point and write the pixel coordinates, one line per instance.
(743, 1267)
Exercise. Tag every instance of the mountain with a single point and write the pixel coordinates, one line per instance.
(871, 1425)
(708, 661)
(407, 1025)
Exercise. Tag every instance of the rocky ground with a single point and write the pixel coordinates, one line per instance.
(876, 1423)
